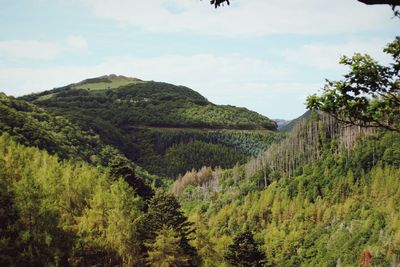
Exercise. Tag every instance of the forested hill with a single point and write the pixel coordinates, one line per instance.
(128, 101)
(164, 128)
(288, 127)
(35, 127)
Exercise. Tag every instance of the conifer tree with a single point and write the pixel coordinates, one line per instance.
(244, 251)
(165, 211)
(122, 167)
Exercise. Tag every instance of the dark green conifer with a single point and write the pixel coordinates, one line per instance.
(244, 251)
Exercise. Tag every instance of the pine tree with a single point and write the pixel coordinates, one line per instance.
(122, 167)
(244, 251)
(164, 210)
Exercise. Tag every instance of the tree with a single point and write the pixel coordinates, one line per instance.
(392, 3)
(369, 95)
(365, 258)
(8, 220)
(164, 211)
(38, 225)
(244, 251)
(107, 228)
(203, 243)
(218, 3)
(381, 2)
(120, 166)
(166, 250)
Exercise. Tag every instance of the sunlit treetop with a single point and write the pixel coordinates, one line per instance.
(369, 95)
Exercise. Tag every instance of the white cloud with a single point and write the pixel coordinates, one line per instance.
(223, 79)
(40, 50)
(247, 17)
(77, 43)
(178, 69)
(326, 56)
(275, 90)
(29, 49)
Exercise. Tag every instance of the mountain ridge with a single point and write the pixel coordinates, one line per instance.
(142, 95)
(154, 123)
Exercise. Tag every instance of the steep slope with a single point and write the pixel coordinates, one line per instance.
(287, 127)
(280, 123)
(57, 212)
(59, 199)
(326, 196)
(33, 126)
(145, 119)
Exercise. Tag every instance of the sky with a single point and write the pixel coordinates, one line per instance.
(265, 55)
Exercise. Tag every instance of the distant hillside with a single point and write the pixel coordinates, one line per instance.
(288, 127)
(129, 101)
(281, 123)
(35, 127)
(155, 123)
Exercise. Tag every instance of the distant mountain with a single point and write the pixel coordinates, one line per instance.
(157, 124)
(280, 123)
(288, 127)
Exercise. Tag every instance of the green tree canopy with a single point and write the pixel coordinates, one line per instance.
(166, 250)
(244, 251)
(369, 95)
(120, 166)
(165, 211)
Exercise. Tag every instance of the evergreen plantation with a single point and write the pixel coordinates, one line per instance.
(116, 171)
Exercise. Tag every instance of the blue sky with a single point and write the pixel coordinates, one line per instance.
(266, 55)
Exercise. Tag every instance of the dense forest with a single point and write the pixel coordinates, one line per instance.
(145, 119)
(148, 103)
(115, 171)
(333, 211)
(58, 213)
(336, 194)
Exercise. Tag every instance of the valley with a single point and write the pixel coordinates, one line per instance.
(314, 187)
(119, 171)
